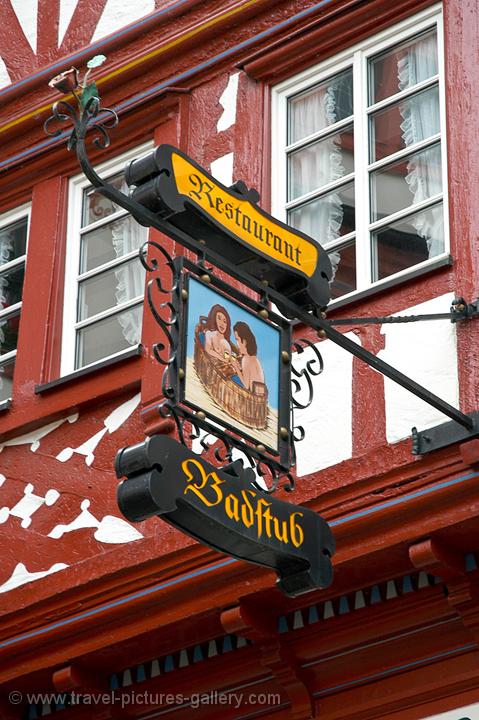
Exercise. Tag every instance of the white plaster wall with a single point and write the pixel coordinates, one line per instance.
(21, 576)
(228, 103)
(328, 420)
(118, 13)
(4, 76)
(26, 12)
(67, 8)
(426, 352)
(222, 169)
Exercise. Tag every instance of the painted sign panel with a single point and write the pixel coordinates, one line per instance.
(232, 363)
(221, 508)
(229, 222)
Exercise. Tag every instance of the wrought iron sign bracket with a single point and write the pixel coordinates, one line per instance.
(296, 304)
(460, 310)
(228, 508)
(462, 427)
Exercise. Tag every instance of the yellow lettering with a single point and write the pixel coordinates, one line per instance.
(262, 503)
(247, 512)
(232, 507)
(267, 521)
(202, 482)
(243, 219)
(296, 531)
(281, 533)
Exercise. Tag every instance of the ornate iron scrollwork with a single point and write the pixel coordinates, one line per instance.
(302, 383)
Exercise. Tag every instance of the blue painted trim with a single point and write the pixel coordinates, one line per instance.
(404, 498)
(118, 603)
(225, 563)
(398, 668)
(94, 48)
(176, 78)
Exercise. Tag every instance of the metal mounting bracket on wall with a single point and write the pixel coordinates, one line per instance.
(448, 433)
(92, 117)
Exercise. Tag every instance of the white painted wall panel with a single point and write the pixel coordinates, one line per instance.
(67, 8)
(328, 420)
(222, 169)
(426, 352)
(118, 13)
(27, 12)
(4, 76)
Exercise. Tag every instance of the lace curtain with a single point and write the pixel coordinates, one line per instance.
(420, 120)
(128, 236)
(321, 220)
(6, 248)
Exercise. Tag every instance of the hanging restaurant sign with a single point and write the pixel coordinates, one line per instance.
(229, 222)
(222, 509)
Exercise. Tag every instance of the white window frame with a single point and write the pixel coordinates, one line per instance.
(9, 218)
(357, 58)
(70, 325)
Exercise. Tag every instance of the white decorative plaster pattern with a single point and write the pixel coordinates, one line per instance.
(222, 169)
(118, 13)
(109, 529)
(426, 352)
(27, 13)
(228, 103)
(111, 423)
(21, 576)
(4, 76)
(328, 420)
(33, 438)
(67, 8)
(28, 505)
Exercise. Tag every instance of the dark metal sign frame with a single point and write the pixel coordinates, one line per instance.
(227, 507)
(98, 120)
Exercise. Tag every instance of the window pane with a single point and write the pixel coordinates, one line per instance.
(320, 163)
(317, 108)
(9, 333)
(110, 288)
(406, 182)
(402, 67)
(408, 241)
(109, 336)
(407, 122)
(11, 286)
(110, 242)
(13, 241)
(327, 218)
(6, 380)
(343, 262)
(96, 206)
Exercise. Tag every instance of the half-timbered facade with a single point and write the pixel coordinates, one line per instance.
(356, 121)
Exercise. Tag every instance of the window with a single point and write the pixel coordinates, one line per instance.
(361, 163)
(13, 248)
(104, 279)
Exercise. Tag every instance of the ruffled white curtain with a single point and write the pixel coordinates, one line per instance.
(420, 115)
(6, 247)
(128, 236)
(321, 220)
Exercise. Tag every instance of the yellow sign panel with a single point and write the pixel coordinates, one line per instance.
(242, 219)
